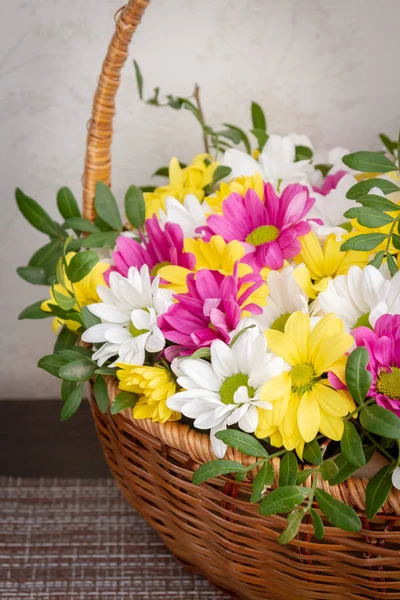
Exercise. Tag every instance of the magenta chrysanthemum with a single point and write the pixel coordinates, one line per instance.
(383, 345)
(269, 229)
(209, 310)
(330, 183)
(160, 247)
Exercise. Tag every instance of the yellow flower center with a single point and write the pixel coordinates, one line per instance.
(363, 321)
(157, 267)
(232, 384)
(262, 235)
(303, 377)
(388, 384)
(280, 322)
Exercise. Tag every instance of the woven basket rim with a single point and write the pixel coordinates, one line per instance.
(197, 446)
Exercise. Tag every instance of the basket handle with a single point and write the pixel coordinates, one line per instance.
(100, 130)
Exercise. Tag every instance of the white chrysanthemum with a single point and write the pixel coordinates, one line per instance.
(227, 391)
(331, 208)
(276, 162)
(396, 478)
(128, 311)
(361, 296)
(189, 215)
(285, 296)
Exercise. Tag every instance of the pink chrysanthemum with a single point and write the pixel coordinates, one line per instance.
(269, 229)
(330, 183)
(161, 247)
(210, 309)
(383, 345)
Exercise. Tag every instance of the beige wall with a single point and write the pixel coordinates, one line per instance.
(324, 68)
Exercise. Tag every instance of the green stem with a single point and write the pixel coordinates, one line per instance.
(359, 407)
(391, 230)
(377, 445)
(196, 96)
(312, 493)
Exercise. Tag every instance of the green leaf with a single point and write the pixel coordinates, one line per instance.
(294, 521)
(70, 315)
(100, 239)
(378, 490)
(323, 168)
(265, 477)
(393, 268)
(230, 134)
(317, 523)
(63, 301)
(338, 514)
(202, 353)
(66, 203)
(260, 136)
(243, 136)
(214, 468)
(33, 311)
(244, 442)
(52, 364)
(369, 162)
(88, 318)
(257, 117)
(72, 403)
(281, 500)
(363, 242)
(65, 339)
(106, 206)
(396, 241)
(67, 387)
(111, 371)
(123, 400)
(377, 260)
(81, 264)
(369, 217)
(101, 394)
(47, 256)
(36, 215)
(139, 79)
(363, 187)
(304, 474)
(81, 369)
(303, 153)
(288, 469)
(71, 353)
(379, 203)
(380, 421)
(35, 275)
(220, 172)
(312, 453)
(80, 224)
(389, 144)
(328, 469)
(346, 469)
(135, 207)
(358, 379)
(351, 446)
(101, 224)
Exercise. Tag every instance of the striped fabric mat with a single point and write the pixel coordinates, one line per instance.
(78, 539)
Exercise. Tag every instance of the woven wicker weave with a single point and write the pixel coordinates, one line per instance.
(213, 528)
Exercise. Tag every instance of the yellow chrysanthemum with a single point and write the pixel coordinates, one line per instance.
(303, 400)
(182, 181)
(154, 385)
(326, 262)
(85, 292)
(239, 185)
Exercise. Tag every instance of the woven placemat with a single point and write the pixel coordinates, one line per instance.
(79, 539)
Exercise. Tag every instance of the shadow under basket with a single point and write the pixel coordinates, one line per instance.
(213, 528)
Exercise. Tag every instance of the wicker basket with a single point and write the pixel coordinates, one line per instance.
(213, 528)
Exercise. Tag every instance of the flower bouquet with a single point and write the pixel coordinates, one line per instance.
(255, 297)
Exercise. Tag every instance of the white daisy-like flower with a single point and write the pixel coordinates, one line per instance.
(330, 208)
(129, 310)
(285, 296)
(361, 296)
(396, 478)
(227, 391)
(189, 215)
(276, 162)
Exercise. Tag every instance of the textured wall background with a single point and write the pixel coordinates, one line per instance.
(327, 69)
